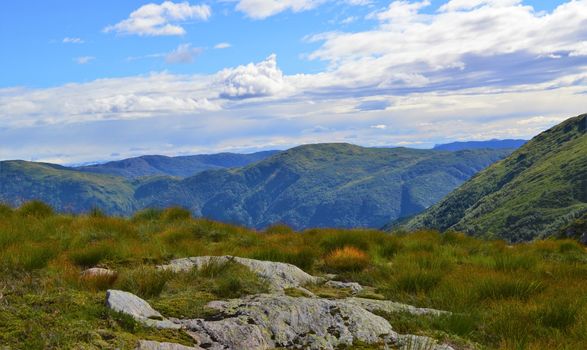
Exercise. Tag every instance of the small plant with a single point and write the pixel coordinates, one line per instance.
(93, 254)
(175, 214)
(559, 314)
(36, 209)
(149, 214)
(144, 281)
(503, 288)
(419, 281)
(347, 259)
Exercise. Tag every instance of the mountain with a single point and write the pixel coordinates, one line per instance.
(534, 192)
(182, 166)
(64, 189)
(322, 185)
(491, 144)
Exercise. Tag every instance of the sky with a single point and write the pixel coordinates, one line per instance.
(84, 81)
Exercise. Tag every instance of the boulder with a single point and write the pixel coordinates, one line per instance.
(139, 309)
(98, 272)
(389, 306)
(279, 275)
(354, 287)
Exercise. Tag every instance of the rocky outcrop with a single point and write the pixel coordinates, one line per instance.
(139, 309)
(279, 275)
(389, 306)
(268, 321)
(154, 345)
(354, 287)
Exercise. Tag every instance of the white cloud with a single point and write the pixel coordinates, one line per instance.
(163, 19)
(184, 53)
(458, 5)
(260, 9)
(464, 40)
(253, 80)
(222, 46)
(84, 59)
(68, 40)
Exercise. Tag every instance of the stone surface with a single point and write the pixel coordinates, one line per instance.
(267, 321)
(278, 275)
(136, 307)
(154, 345)
(354, 287)
(98, 272)
(391, 307)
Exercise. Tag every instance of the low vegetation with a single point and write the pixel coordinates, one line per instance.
(526, 296)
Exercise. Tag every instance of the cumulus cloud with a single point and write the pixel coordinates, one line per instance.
(68, 40)
(184, 53)
(466, 42)
(84, 59)
(253, 80)
(164, 19)
(260, 9)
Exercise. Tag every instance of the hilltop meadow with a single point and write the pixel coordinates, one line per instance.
(524, 296)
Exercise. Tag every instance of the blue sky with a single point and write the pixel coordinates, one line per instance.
(99, 80)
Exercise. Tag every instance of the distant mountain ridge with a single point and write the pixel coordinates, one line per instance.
(491, 144)
(323, 185)
(182, 166)
(534, 192)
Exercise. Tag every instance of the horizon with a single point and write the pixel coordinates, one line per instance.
(102, 80)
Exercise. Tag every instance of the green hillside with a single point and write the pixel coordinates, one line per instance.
(64, 189)
(182, 166)
(322, 185)
(534, 192)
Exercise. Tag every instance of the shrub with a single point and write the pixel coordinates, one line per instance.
(332, 240)
(5, 210)
(148, 214)
(303, 258)
(175, 214)
(93, 254)
(346, 259)
(508, 262)
(29, 256)
(144, 281)
(504, 287)
(279, 229)
(35, 209)
(390, 247)
(96, 212)
(230, 280)
(559, 314)
(419, 281)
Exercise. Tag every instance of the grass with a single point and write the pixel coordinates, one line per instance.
(526, 296)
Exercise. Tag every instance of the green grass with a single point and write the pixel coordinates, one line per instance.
(526, 296)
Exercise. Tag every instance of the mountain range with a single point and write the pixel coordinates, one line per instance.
(534, 192)
(334, 185)
(492, 144)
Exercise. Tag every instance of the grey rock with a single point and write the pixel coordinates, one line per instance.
(98, 272)
(354, 287)
(392, 306)
(279, 275)
(139, 309)
(418, 342)
(154, 345)
(267, 321)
